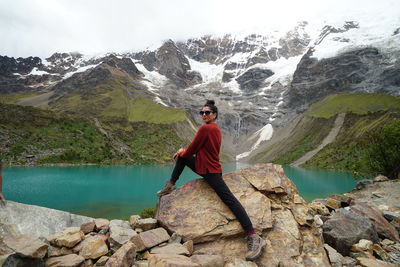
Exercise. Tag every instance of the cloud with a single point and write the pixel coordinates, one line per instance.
(42, 27)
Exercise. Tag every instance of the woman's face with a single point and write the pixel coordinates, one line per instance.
(207, 115)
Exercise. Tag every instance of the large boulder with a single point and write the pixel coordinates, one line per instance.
(346, 228)
(17, 219)
(383, 227)
(272, 201)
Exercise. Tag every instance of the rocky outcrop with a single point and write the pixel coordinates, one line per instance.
(18, 219)
(342, 238)
(10, 65)
(253, 79)
(273, 204)
(315, 79)
(356, 230)
(172, 63)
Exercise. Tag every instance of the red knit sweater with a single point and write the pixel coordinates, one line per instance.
(206, 146)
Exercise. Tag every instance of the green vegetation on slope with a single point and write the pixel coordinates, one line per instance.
(354, 103)
(366, 145)
(308, 134)
(118, 99)
(30, 135)
(369, 118)
(14, 98)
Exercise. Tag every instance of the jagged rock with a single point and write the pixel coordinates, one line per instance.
(88, 227)
(347, 72)
(17, 219)
(380, 178)
(133, 220)
(342, 238)
(240, 263)
(208, 260)
(26, 246)
(189, 246)
(383, 227)
(362, 245)
(76, 249)
(253, 79)
(67, 238)
(363, 183)
(319, 208)
(102, 224)
(149, 239)
(334, 257)
(390, 216)
(56, 251)
(172, 63)
(167, 260)
(173, 248)
(349, 262)
(123, 257)
(120, 233)
(70, 260)
(93, 248)
(102, 261)
(368, 262)
(380, 252)
(88, 263)
(146, 224)
(175, 238)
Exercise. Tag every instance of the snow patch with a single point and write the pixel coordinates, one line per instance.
(35, 71)
(81, 69)
(209, 72)
(264, 134)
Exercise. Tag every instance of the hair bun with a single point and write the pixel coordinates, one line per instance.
(210, 102)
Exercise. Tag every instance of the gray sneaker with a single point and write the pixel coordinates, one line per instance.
(168, 188)
(255, 245)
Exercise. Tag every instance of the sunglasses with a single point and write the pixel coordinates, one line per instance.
(207, 112)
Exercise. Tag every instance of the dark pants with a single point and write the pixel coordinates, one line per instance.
(217, 183)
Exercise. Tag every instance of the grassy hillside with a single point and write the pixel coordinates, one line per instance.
(353, 103)
(33, 136)
(307, 135)
(366, 114)
(352, 147)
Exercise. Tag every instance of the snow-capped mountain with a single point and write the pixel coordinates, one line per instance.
(257, 80)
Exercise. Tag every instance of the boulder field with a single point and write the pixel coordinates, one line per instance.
(192, 227)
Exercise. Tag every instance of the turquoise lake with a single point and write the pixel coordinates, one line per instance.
(120, 191)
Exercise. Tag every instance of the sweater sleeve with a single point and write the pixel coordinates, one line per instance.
(197, 142)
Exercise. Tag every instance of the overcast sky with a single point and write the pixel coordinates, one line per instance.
(42, 27)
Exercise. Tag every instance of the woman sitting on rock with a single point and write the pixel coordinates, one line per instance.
(206, 146)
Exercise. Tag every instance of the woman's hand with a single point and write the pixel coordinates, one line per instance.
(178, 153)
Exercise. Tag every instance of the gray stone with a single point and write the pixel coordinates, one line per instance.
(173, 248)
(356, 228)
(26, 246)
(120, 233)
(147, 224)
(35, 221)
(151, 238)
(71, 260)
(123, 257)
(334, 257)
(208, 260)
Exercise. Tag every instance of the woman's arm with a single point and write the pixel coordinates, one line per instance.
(197, 142)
